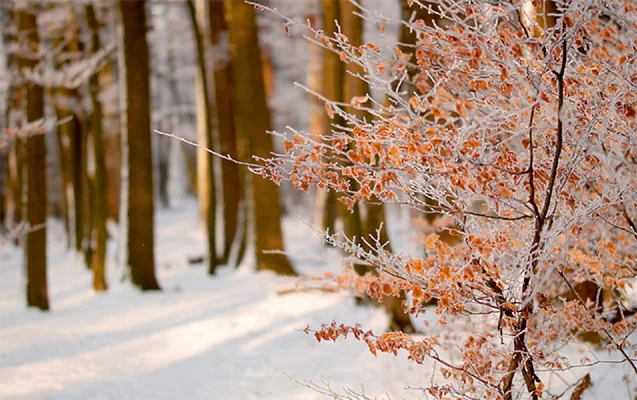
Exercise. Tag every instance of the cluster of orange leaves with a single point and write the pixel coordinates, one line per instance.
(385, 343)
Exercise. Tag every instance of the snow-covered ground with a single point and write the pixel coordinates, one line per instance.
(224, 337)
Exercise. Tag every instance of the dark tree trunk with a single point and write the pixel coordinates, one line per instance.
(35, 246)
(136, 138)
(76, 154)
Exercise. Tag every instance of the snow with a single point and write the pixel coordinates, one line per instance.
(230, 336)
(224, 337)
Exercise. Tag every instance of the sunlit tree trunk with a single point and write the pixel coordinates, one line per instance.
(202, 105)
(97, 168)
(136, 138)
(231, 174)
(205, 164)
(35, 245)
(252, 121)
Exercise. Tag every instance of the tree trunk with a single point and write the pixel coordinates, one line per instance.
(230, 172)
(112, 145)
(316, 110)
(205, 162)
(35, 246)
(202, 105)
(137, 144)
(97, 168)
(74, 132)
(164, 168)
(252, 119)
(80, 126)
(332, 89)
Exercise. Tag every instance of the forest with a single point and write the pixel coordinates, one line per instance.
(196, 195)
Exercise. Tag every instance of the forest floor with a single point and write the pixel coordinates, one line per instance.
(230, 336)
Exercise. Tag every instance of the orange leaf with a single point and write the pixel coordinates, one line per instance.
(431, 240)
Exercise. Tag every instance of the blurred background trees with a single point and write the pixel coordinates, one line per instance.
(88, 82)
